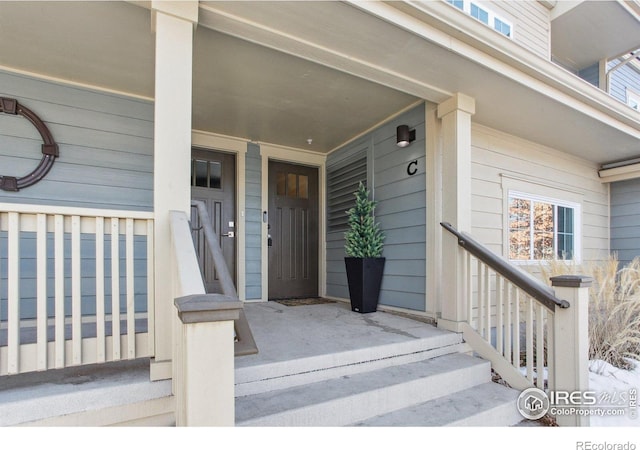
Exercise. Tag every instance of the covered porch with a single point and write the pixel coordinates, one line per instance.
(264, 85)
(305, 344)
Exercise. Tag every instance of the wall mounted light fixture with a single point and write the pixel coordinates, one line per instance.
(405, 136)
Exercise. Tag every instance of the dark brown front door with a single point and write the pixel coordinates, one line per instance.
(293, 227)
(213, 178)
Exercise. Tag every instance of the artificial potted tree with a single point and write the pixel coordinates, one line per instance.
(364, 262)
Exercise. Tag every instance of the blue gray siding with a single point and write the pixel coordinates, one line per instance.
(625, 219)
(622, 79)
(105, 140)
(401, 212)
(591, 74)
(106, 161)
(253, 222)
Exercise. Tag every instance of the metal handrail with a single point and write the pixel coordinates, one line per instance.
(536, 289)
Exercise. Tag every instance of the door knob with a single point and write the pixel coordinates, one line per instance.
(229, 234)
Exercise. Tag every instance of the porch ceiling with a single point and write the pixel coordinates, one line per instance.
(581, 36)
(254, 77)
(239, 89)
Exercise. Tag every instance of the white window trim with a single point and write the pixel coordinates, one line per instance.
(577, 225)
(492, 16)
(635, 96)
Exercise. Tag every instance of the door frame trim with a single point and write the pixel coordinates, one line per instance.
(238, 147)
(270, 152)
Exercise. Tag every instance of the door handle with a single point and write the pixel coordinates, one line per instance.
(229, 234)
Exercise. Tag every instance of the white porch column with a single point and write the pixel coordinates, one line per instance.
(455, 114)
(173, 23)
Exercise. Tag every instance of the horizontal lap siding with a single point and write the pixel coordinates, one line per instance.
(531, 24)
(401, 212)
(105, 142)
(106, 161)
(626, 77)
(495, 154)
(253, 222)
(625, 219)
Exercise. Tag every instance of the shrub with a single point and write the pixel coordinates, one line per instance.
(364, 238)
(614, 308)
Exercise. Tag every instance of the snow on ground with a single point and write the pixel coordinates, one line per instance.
(615, 387)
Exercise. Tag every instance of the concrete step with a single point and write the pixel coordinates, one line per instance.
(109, 394)
(354, 398)
(296, 372)
(489, 404)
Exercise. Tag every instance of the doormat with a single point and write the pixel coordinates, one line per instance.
(304, 301)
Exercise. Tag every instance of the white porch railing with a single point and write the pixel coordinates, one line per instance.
(69, 278)
(531, 335)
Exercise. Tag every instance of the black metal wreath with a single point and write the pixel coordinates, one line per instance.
(49, 147)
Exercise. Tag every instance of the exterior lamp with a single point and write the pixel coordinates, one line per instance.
(405, 136)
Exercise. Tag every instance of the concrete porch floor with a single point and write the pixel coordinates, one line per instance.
(285, 333)
(289, 338)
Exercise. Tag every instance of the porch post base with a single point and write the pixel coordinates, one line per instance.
(451, 325)
(160, 370)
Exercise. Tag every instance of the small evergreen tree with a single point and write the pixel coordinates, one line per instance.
(364, 238)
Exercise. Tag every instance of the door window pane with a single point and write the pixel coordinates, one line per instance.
(292, 185)
(281, 182)
(215, 175)
(303, 186)
(201, 176)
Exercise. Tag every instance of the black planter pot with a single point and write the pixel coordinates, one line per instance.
(364, 276)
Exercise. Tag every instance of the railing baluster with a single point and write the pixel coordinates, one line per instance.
(469, 281)
(13, 294)
(499, 316)
(41, 291)
(487, 297)
(508, 321)
(480, 299)
(540, 344)
(115, 288)
(101, 346)
(151, 329)
(516, 327)
(59, 317)
(551, 375)
(529, 337)
(76, 292)
(131, 320)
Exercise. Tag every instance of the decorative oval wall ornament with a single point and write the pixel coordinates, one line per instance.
(49, 147)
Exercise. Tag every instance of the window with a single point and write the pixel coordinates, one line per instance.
(542, 229)
(479, 13)
(501, 27)
(484, 15)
